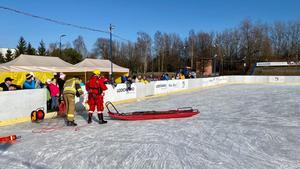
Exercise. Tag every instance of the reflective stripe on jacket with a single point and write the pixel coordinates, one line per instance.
(72, 86)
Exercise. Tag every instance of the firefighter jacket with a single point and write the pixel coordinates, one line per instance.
(72, 86)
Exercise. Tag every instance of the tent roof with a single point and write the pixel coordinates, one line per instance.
(102, 64)
(31, 63)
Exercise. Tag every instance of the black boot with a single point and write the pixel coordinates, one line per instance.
(71, 123)
(101, 120)
(90, 118)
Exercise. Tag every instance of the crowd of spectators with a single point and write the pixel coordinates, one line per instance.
(7, 85)
(54, 86)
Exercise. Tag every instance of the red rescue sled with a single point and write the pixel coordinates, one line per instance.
(148, 115)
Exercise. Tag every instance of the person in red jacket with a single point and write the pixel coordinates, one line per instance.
(95, 88)
(54, 92)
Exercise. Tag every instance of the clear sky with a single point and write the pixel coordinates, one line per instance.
(131, 16)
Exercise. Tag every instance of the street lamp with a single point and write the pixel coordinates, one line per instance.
(111, 27)
(244, 65)
(60, 43)
(215, 58)
(185, 55)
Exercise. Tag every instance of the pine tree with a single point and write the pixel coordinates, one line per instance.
(30, 50)
(2, 60)
(42, 49)
(9, 56)
(70, 55)
(21, 47)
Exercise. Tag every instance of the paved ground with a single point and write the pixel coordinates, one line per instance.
(240, 126)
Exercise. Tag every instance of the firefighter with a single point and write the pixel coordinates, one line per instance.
(72, 88)
(95, 88)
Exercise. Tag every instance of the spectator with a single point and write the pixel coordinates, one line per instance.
(182, 76)
(48, 82)
(38, 83)
(111, 81)
(144, 80)
(139, 79)
(60, 78)
(14, 87)
(165, 76)
(54, 92)
(128, 83)
(5, 85)
(134, 79)
(185, 72)
(123, 78)
(29, 83)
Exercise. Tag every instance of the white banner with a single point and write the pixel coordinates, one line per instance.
(120, 92)
(277, 63)
(160, 87)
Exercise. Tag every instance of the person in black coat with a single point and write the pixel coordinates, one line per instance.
(7, 82)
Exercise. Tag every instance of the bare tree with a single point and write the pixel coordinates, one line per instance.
(101, 48)
(191, 46)
(144, 46)
(80, 46)
(158, 49)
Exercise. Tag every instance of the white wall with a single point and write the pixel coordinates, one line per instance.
(21, 103)
(15, 104)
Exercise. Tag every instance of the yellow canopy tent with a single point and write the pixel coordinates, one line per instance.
(42, 66)
(88, 65)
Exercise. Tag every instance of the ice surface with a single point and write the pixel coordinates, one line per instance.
(240, 126)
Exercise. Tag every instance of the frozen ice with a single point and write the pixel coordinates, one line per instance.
(240, 126)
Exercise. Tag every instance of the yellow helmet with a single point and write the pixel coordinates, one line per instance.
(97, 72)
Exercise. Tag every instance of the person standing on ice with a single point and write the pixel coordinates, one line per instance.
(95, 88)
(72, 88)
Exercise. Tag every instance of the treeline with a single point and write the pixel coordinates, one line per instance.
(66, 52)
(233, 50)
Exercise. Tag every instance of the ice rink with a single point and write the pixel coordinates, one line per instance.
(240, 126)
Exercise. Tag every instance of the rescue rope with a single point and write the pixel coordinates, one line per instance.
(56, 127)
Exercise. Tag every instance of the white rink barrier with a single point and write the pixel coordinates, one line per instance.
(16, 104)
(20, 103)
(120, 92)
(263, 79)
(112, 94)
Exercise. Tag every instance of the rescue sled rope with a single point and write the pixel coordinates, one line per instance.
(48, 129)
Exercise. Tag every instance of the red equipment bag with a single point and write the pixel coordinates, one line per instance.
(37, 115)
(62, 109)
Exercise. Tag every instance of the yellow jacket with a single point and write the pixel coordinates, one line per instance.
(72, 86)
(144, 81)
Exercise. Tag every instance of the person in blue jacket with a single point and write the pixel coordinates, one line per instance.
(29, 83)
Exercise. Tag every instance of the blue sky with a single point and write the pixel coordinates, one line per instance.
(131, 16)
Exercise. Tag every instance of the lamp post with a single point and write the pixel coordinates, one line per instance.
(215, 58)
(185, 55)
(111, 27)
(60, 43)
